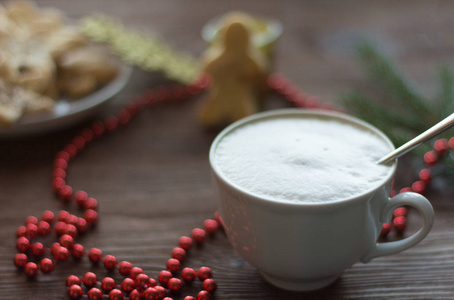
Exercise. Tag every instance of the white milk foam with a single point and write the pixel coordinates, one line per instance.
(305, 160)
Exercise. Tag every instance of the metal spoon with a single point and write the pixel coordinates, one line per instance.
(429, 133)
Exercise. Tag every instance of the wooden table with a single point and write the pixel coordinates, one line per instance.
(152, 178)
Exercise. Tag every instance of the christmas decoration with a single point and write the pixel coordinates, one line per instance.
(393, 105)
(146, 52)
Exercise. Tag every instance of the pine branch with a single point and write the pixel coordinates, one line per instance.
(446, 96)
(392, 84)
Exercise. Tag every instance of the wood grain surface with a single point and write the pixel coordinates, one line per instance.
(152, 178)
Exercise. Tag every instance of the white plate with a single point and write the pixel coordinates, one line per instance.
(66, 113)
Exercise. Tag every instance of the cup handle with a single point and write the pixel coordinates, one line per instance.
(411, 199)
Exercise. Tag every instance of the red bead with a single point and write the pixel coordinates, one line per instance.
(44, 228)
(87, 135)
(57, 184)
(400, 223)
(71, 230)
(21, 231)
(91, 203)
(107, 284)
(71, 280)
(152, 282)
(22, 244)
(71, 150)
(204, 295)
(31, 231)
(135, 295)
(179, 253)
(419, 187)
(38, 249)
(31, 270)
(48, 216)
(20, 260)
(53, 249)
(90, 279)
(175, 285)
(59, 173)
(150, 294)
(81, 225)
(66, 241)
(134, 272)
(124, 117)
(77, 251)
(441, 146)
(142, 281)
(188, 275)
(97, 128)
(162, 292)
(60, 163)
(115, 294)
(430, 158)
(185, 243)
(111, 123)
(209, 285)
(385, 230)
(204, 273)
(65, 193)
(125, 268)
(164, 277)
(79, 142)
(95, 255)
(63, 216)
(46, 265)
(91, 216)
(173, 265)
(400, 211)
(127, 285)
(31, 220)
(198, 235)
(94, 294)
(64, 155)
(80, 197)
(61, 254)
(451, 143)
(425, 175)
(189, 298)
(211, 226)
(110, 262)
(75, 292)
(404, 190)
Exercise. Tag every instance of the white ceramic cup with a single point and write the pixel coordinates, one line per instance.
(306, 246)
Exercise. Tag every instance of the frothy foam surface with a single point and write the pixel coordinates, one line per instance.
(305, 160)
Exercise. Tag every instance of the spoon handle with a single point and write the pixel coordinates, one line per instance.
(429, 133)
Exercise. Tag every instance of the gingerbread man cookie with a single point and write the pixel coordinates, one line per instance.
(238, 72)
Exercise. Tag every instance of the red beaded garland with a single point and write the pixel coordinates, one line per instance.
(77, 251)
(204, 295)
(142, 281)
(210, 226)
(189, 298)
(38, 249)
(179, 253)
(188, 274)
(44, 228)
(61, 254)
(22, 244)
(400, 223)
